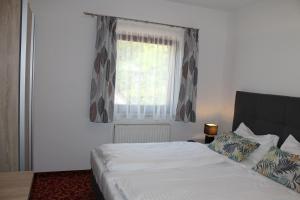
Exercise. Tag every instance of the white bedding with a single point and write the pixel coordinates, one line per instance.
(154, 155)
(213, 181)
(178, 170)
(151, 156)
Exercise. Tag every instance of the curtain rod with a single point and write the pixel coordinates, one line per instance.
(136, 20)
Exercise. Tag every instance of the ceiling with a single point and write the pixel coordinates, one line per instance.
(217, 4)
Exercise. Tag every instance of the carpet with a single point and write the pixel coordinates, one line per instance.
(70, 185)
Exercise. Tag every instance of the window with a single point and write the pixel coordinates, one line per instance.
(147, 70)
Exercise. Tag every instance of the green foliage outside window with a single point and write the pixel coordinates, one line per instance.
(142, 74)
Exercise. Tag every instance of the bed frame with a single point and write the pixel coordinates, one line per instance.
(268, 114)
(262, 113)
(99, 195)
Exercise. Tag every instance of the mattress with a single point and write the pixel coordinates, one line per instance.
(178, 170)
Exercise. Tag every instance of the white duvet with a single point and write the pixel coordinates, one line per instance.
(181, 171)
(149, 156)
(223, 180)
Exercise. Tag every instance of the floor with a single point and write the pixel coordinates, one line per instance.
(75, 185)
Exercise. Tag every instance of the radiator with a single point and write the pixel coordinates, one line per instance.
(141, 133)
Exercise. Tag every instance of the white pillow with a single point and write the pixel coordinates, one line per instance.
(244, 131)
(291, 145)
(265, 141)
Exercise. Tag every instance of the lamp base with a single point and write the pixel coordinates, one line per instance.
(209, 139)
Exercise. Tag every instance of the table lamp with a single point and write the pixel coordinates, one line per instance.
(210, 131)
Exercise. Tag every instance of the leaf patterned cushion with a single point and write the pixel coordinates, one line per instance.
(233, 146)
(282, 167)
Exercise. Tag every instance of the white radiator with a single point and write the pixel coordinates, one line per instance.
(141, 133)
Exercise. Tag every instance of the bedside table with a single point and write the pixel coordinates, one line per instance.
(203, 138)
(198, 138)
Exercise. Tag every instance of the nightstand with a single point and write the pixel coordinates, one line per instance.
(203, 138)
(198, 138)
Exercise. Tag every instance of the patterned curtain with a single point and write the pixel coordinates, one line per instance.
(104, 71)
(186, 107)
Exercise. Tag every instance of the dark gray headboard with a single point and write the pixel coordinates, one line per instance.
(268, 114)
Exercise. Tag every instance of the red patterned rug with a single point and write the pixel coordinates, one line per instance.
(71, 185)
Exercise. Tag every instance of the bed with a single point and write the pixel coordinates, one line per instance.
(185, 170)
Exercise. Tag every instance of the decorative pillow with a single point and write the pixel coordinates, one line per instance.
(282, 167)
(233, 146)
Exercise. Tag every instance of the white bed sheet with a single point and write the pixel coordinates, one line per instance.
(178, 173)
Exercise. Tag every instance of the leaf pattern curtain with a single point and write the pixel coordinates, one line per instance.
(186, 106)
(104, 71)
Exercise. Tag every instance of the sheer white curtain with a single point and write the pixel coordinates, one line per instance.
(149, 59)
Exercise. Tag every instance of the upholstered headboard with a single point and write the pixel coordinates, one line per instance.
(268, 114)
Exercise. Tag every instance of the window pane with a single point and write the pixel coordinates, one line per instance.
(142, 74)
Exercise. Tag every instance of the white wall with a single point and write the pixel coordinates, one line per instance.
(268, 48)
(264, 52)
(62, 133)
